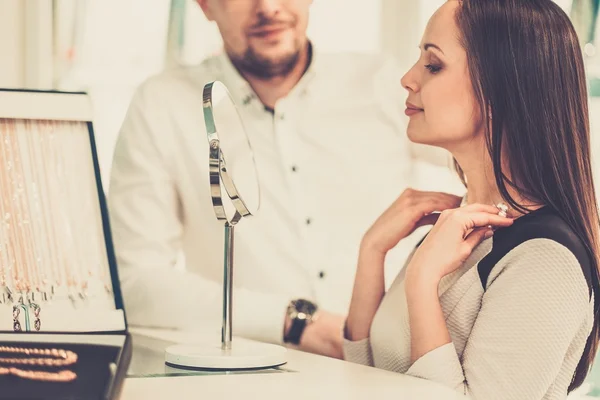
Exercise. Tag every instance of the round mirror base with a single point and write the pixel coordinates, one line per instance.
(242, 356)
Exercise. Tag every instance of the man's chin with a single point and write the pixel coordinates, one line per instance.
(268, 63)
(278, 60)
(275, 53)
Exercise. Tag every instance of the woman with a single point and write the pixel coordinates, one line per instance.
(497, 301)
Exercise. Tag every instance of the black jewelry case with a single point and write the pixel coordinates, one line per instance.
(59, 284)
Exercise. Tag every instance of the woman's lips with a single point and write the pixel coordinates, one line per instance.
(412, 109)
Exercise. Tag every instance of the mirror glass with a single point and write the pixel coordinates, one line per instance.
(238, 180)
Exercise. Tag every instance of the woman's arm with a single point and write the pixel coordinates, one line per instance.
(450, 242)
(412, 210)
(369, 288)
(445, 249)
(428, 329)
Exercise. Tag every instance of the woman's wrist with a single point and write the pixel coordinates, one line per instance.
(419, 281)
(370, 250)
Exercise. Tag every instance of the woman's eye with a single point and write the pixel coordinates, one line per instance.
(434, 69)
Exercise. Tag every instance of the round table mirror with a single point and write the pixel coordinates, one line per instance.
(235, 193)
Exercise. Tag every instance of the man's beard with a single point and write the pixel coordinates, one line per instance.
(263, 68)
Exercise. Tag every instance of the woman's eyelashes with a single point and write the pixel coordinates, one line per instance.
(433, 68)
(433, 63)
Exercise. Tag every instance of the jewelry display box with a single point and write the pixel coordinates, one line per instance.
(63, 331)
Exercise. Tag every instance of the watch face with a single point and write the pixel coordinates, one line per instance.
(305, 306)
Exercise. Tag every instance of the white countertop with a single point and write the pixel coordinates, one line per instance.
(309, 377)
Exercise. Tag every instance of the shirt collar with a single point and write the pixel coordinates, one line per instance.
(242, 92)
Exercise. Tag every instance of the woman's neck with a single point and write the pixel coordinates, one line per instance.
(481, 186)
(481, 182)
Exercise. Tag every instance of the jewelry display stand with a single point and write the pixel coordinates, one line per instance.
(230, 179)
(63, 331)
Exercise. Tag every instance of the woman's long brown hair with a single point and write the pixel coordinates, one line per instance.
(527, 71)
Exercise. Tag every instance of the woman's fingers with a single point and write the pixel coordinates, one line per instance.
(477, 236)
(443, 198)
(442, 194)
(437, 202)
(431, 203)
(429, 219)
(481, 208)
(484, 219)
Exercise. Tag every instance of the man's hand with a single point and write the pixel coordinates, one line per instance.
(323, 336)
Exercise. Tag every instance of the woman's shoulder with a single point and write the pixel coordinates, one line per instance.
(541, 236)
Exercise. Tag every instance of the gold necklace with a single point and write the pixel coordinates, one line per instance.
(10, 216)
(55, 255)
(60, 376)
(52, 357)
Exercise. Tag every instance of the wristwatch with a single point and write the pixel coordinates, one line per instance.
(302, 313)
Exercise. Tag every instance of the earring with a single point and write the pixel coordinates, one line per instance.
(36, 312)
(16, 323)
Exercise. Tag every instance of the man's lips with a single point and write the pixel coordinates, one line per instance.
(269, 30)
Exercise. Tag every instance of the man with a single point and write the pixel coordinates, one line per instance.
(329, 142)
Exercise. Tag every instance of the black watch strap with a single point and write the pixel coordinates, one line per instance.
(301, 313)
(296, 330)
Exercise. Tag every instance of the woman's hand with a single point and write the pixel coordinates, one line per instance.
(410, 211)
(451, 241)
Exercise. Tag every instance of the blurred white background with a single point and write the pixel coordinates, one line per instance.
(108, 47)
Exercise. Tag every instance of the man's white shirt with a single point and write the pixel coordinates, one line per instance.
(330, 159)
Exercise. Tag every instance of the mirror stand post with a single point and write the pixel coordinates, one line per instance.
(227, 329)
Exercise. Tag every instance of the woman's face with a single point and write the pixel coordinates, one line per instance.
(441, 104)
